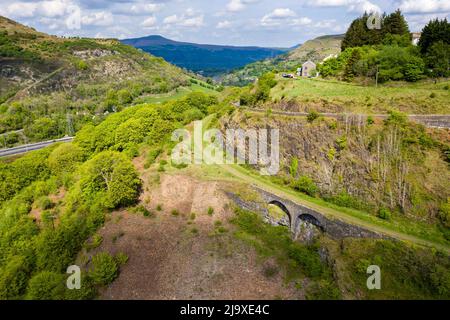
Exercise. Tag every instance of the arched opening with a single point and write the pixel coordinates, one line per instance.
(279, 214)
(307, 228)
(310, 219)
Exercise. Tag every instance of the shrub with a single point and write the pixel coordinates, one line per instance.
(143, 210)
(440, 279)
(344, 199)
(151, 156)
(306, 185)
(210, 211)
(121, 258)
(384, 214)
(313, 115)
(14, 278)
(104, 269)
(65, 158)
(124, 96)
(307, 258)
(444, 213)
(111, 177)
(82, 65)
(192, 115)
(46, 285)
(323, 290)
(342, 142)
(86, 292)
(95, 242)
(56, 249)
(44, 203)
(293, 168)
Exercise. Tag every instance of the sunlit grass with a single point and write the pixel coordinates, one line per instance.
(406, 97)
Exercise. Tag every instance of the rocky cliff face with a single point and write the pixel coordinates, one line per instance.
(360, 165)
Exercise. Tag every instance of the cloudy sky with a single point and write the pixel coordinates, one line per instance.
(281, 23)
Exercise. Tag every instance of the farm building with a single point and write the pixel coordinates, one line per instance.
(307, 68)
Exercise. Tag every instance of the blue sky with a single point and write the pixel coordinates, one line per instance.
(271, 23)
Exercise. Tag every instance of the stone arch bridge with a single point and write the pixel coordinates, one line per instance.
(297, 216)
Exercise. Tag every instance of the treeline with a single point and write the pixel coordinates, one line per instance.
(97, 175)
(358, 34)
(389, 54)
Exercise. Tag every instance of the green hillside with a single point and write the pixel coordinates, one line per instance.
(62, 83)
(321, 95)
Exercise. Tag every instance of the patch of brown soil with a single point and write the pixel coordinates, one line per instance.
(176, 257)
(36, 212)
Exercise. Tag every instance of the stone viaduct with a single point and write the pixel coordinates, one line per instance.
(297, 214)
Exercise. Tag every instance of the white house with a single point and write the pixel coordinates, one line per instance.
(307, 68)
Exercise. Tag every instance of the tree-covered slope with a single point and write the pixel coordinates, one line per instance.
(45, 80)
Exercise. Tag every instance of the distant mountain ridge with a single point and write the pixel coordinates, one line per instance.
(207, 59)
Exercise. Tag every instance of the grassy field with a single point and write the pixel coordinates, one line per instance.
(176, 94)
(334, 96)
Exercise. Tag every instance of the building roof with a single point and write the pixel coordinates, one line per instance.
(309, 62)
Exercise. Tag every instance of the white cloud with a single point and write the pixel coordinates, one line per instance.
(49, 9)
(330, 24)
(223, 24)
(193, 22)
(189, 19)
(149, 22)
(352, 5)
(283, 16)
(137, 9)
(190, 12)
(239, 5)
(282, 13)
(21, 9)
(52, 9)
(99, 19)
(425, 6)
(235, 6)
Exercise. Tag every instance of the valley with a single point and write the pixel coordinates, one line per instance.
(363, 175)
(207, 60)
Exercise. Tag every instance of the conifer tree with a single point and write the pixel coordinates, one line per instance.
(349, 70)
(435, 31)
(395, 23)
(358, 34)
